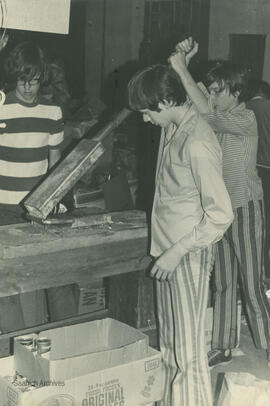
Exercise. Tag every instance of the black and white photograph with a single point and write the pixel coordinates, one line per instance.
(134, 203)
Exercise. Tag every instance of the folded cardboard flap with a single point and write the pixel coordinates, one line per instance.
(94, 336)
(81, 349)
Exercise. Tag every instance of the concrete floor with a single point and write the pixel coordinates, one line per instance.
(246, 358)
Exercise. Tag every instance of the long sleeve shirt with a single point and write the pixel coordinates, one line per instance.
(191, 207)
(236, 130)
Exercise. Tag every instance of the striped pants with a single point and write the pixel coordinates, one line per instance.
(181, 306)
(239, 258)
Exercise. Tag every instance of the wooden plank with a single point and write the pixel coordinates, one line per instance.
(26, 239)
(83, 238)
(136, 308)
(107, 255)
(62, 178)
(67, 173)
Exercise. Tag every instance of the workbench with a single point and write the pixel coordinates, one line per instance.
(80, 246)
(113, 245)
(34, 256)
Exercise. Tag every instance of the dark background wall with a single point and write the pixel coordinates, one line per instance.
(109, 39)
(122, 34)
(239, 29)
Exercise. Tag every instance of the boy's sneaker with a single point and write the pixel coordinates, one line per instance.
(218, 357)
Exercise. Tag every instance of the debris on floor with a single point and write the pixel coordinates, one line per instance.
(244, 389)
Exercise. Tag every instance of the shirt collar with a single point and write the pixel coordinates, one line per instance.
(12, 98)
(186, 111)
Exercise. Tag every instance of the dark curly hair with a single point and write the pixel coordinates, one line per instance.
(155, 84)
(231, 76)
(25, 62)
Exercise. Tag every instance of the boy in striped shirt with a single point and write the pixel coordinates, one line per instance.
(239, 254)
(29, 147)
(29, 144)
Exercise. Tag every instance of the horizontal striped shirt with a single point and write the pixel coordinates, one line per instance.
(236, 130)
(31, 130)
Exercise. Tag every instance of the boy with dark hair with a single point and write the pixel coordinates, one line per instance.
(239, 253)
(191, 211)
(229, 76)
(29, 146)
(34, 130)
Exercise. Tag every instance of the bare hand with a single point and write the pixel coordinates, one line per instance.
(160, 274)
(189, 47)
(165, 265)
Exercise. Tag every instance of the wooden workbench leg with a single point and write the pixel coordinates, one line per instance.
(131, 300)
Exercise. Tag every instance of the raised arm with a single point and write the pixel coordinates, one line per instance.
(227, 121)
(185, 50)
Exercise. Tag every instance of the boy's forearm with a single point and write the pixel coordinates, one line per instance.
(194, 92)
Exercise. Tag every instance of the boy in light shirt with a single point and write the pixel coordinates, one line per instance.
(191, 211)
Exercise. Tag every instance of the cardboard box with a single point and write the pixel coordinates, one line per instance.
(129, 375)
(241, 388)
(129, 384)
(81, 349)
(92, 297)
(209, 325)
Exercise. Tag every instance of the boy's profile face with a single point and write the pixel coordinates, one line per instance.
(27, 90)
(221, 97)
(160, 118)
